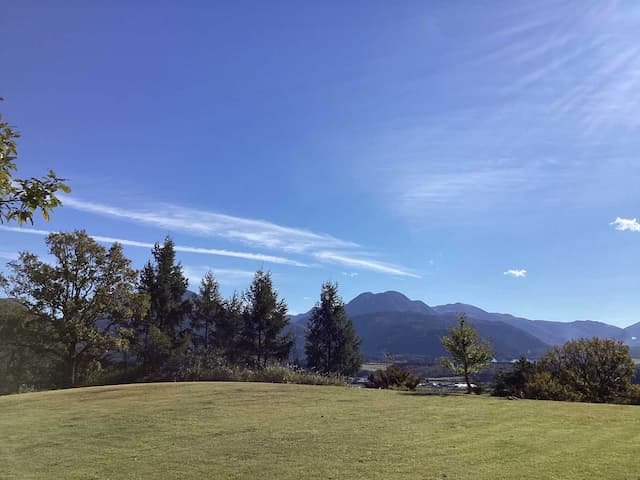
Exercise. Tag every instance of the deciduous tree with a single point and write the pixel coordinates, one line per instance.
(80, 303)
(593, 370)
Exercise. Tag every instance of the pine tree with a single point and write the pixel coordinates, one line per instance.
(208, 310)
(163, 332)
(468, 353)
(229, 330)
(331, 344)
(265, 318)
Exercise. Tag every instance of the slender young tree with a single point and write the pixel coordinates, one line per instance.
(163, 332)
(331, 344)
(79, 305)
(265, 318)
(207, 311)
(468, 353)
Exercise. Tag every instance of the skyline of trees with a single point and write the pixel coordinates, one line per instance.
(90, 312)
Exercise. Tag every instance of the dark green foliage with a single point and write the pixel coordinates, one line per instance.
(468, 353)
(20, 198)
(393, 377)
(590, 370)
(265, 318)
(163, 333)
(229, 330)
(22, 369)
(513, 383)
(79, 306)
(331, 343)
(208, 310)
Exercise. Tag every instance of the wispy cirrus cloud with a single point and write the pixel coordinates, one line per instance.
(8, 255)
(365, 263)
(257, 233)
(517, 273)
(626, 224)
(224, 276)
(179, 248)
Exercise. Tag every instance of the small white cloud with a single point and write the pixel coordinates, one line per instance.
(516, 273)
(623, 224)
(350, 274)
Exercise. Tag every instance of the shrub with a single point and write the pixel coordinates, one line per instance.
(543, 385)
(394, 378)
(513, 383)
(590, 370)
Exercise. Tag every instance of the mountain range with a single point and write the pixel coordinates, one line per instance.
(390, 322)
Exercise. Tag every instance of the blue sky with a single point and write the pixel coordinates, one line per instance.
(455, 151)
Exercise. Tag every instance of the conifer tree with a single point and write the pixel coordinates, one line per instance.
(230, 328)
(265, 318)
(164, 333)
(331, 344)
(207, 311)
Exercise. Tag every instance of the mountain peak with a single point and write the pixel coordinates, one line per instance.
(389, 301)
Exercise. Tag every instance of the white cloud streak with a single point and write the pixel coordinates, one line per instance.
(516, 273)
(224, 276)
(210, 224)
(252, 232)
(342, 259)
(8, 255)
(626, 224)
(179, 248)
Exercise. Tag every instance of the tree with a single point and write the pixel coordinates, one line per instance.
(468, 353)
(207, 310)
(20, 198)
(591, 370)
(331, 344)
(230, 328)
(514, 383)
(265, 318)
(163, 332)
(80, 304)
(20, 367)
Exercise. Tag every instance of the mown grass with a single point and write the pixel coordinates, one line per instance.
(268, 431)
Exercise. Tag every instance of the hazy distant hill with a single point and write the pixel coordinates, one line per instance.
(391, 322)
(553, 333)
(414, 334)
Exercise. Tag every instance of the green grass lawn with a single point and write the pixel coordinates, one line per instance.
(265, 431)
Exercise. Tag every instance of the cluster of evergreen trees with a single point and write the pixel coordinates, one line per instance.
(68, 320)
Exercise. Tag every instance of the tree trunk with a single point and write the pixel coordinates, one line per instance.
(466, 379)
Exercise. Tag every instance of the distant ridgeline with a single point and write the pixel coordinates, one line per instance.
(391, 323)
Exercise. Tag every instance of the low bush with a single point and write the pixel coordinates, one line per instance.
(513, 383)
(394, 378)
(209, 366)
